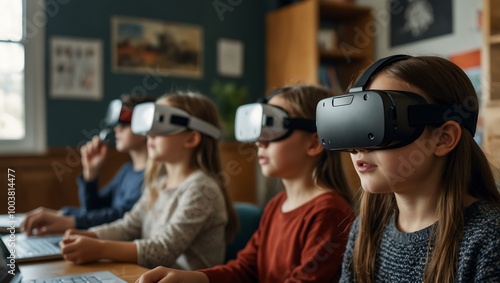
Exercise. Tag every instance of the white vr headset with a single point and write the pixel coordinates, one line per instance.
(156, 119)
(117, 113)
(267, 123)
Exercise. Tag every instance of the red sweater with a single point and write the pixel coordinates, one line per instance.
(303, 245)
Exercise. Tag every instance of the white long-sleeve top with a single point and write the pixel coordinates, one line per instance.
(184, 228)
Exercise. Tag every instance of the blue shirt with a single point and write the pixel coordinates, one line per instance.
(109, 203)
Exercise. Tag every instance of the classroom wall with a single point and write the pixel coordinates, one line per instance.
(72, 122)
(466, 35)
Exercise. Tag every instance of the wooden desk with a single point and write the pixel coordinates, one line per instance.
(126, 271)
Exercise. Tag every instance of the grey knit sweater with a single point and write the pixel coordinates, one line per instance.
(183, 229)
(401, 257)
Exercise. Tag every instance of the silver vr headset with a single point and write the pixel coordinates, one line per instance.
(266, 123)
(381, 119)
(156, 119)
(116, 114)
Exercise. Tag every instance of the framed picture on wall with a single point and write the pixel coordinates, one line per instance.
(415, 20)
(75, 68)
(156, 47)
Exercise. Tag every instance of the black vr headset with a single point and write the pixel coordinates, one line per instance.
(380, 119)
(267, 123)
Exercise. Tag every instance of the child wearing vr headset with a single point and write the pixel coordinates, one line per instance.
(303, 231)
(101, 205)
(429, 208)
(184, 217)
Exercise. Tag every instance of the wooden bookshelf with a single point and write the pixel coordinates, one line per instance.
(292, 53)
(490, 64)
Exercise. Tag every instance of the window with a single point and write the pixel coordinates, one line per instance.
(22, 99)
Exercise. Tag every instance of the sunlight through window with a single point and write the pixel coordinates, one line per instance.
(12, 116)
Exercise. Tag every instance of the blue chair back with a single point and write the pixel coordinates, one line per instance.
(249, 217)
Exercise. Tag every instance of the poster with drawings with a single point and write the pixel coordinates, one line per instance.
(76, 68)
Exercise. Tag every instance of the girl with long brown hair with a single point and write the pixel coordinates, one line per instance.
(429, 210)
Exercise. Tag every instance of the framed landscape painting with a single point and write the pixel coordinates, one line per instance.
(159, 47)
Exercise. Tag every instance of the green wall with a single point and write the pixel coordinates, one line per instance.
(72, 122)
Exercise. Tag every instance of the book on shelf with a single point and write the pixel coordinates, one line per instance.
(327, 37)
(328, 77)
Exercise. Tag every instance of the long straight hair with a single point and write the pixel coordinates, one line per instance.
(302, 100)
(466, 171)
(205, 156)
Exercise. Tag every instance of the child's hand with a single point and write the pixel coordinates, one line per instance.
(81, 249)
(167, 275)
(43, 221)
(76, 232)
(93, 156)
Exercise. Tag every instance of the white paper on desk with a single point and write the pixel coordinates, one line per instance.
(230, 57)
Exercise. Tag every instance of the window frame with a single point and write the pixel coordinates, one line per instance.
(35, 140)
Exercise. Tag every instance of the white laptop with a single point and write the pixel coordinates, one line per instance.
(8, 222)
(10, 273)
(34, 248)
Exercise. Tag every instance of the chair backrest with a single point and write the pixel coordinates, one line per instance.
(249, 216)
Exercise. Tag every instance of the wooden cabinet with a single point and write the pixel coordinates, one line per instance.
(490, 63)
(293, 55)
(491, 51)
(49, 180)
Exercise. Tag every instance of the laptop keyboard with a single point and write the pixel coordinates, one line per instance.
(70, 279)
(38, 247)
(91, 277)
